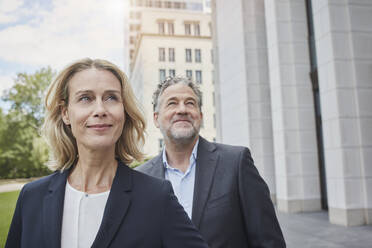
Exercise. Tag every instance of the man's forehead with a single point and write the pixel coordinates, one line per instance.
(178, 91)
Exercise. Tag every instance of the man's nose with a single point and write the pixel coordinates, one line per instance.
(181, 108)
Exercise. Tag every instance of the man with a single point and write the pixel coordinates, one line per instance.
(218, 185)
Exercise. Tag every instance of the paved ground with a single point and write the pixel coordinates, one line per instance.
(11, 187)
(313, 230)
(304, 230)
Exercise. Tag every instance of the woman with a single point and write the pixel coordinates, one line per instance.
(94, 128)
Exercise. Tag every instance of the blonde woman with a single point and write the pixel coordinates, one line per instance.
(95, 129)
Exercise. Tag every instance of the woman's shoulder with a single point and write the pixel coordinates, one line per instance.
(42, 182)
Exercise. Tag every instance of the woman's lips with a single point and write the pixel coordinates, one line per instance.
(100, 127)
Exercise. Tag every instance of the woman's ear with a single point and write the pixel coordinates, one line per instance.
(65, 116)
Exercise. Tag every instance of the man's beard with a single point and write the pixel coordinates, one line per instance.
(183, 136)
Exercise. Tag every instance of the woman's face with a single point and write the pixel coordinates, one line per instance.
(95, 109)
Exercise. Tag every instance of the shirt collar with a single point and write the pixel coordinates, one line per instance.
(193, 155)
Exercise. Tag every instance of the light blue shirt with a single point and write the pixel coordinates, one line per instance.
(183, 183)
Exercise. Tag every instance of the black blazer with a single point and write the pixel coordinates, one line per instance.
(141, 211)
(232, 205)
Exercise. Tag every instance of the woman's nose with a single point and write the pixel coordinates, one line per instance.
(99, 109)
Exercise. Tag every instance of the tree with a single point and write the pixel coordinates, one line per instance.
(23, 152)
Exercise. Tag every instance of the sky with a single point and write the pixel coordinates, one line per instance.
(40, 33)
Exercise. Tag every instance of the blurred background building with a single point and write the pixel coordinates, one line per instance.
(293, 83)
(170, 38)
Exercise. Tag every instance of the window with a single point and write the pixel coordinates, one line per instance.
(131, 54)
(161, 54)
(188, 55)
(210, 29)
(161, 27)
(187, 29)
(189, 74)
(198, 77)
(168, 4)
(158, 4)
(171, 54)
(172, 72)
(214, 98)
(197, 55)
(214, 120)
(212, 56)
(170, 28)
(196, 29)
(162, 75)
(131, 39)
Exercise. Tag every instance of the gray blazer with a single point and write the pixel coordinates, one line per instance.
(231, 205)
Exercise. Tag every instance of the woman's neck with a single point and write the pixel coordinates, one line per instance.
(94, 171)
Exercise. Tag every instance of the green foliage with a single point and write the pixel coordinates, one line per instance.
(23, 153)
(137, 163)
(7, 205)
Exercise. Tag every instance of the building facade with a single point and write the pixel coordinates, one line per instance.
(293, 82)
(171, 38)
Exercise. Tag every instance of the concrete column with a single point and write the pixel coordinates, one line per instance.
(295, 145)
(243, 81)
(343, 33)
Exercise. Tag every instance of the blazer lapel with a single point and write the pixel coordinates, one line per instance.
(116, 208)
(157, 170)
(53, 210)
(206, 164)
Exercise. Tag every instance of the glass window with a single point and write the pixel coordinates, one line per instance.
(189, 74)
(161, 27)
(212, 56)
(162, 75)
(196, 29)
(171, 54)
(187, 29)
(161, 54)
(172, 72)
(198, 77)
(197, 55)
(170, 28)
(188, 55)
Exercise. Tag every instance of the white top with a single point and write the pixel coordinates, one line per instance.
(82, 216)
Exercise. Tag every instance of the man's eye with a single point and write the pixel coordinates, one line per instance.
(171, 103)
(190, 103)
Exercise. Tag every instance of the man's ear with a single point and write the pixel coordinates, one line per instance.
(156, 115)
(65, 116)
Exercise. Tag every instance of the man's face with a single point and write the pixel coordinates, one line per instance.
(179, 116)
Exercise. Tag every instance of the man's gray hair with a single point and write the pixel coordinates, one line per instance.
(169, 81)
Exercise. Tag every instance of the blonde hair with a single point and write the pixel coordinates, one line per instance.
(58, 134)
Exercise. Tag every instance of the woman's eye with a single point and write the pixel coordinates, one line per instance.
(84, 99)
(112, 97)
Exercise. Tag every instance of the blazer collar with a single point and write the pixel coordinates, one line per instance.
(53, 209)
(206, 164)
(157, 169)
(117, 206)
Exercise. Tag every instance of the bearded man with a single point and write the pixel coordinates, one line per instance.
(218, 185)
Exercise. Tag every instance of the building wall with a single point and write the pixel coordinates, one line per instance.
(343, 37)
(244, 82)
(146, 65)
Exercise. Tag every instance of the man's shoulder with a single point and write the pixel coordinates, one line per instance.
(147, 166)
(225, 148)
